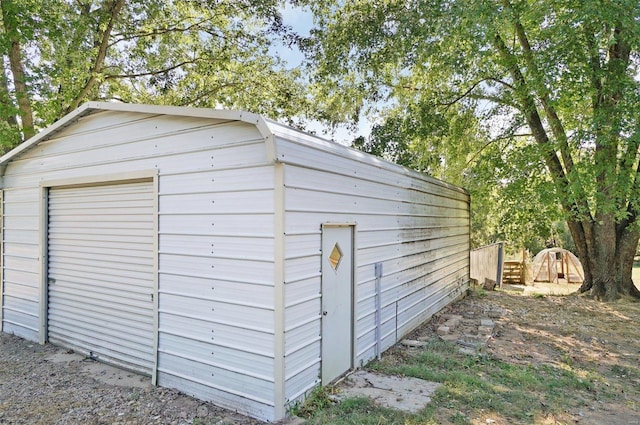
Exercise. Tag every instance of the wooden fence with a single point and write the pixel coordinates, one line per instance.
(486, 265)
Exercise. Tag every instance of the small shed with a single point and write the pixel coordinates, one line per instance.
(556, 264)
(224, 255)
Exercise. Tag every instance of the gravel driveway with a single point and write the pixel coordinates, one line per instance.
(43, 384)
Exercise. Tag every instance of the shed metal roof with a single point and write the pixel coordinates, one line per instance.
(268, 128)
(93, 107)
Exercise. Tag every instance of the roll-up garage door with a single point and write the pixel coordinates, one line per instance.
(101, 272)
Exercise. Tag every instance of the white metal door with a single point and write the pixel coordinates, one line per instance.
(337, 301)
(101, 272)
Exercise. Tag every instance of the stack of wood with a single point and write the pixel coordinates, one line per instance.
(513, 272)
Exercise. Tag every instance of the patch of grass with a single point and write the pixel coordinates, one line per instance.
(316, 401)
(200, 421)
(459, 419)
(478, 291)
(625, 372)
(566, 359)
(472, 385)
(482, 382)
(362, 411)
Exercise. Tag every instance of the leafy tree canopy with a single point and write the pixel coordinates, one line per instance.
(544, 96)
(57, 54)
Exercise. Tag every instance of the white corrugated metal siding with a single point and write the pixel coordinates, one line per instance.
(216, 317)
(101, 272)
(20, 263)
(216, 253)
(417, 227)
(215, 243)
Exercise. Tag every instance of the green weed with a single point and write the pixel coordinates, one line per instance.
(470, 383)
(318, 399)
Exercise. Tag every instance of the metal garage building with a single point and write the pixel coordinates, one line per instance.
(225, 255)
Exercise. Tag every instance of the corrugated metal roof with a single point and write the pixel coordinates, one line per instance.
(268, 128)
(93, 107)
(310, 140)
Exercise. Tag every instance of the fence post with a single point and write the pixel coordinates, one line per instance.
(500, 264)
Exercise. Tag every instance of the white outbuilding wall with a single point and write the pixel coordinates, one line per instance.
(417, 227)
(187, 243)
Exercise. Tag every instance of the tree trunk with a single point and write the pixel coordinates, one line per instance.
(113, 7)
(17, 69)
(607, 259)
(6, 103)
(9, 128)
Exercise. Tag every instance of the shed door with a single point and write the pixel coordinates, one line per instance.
(101, 272)
(337, 304)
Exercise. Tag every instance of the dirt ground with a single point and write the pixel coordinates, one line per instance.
(47, 385)
(42, 384)
(583, 334)
(567, 331)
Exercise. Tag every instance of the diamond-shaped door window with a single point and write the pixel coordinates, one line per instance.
(335, 257)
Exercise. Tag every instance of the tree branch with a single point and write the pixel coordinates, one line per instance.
(608, 118)
(114, 11)
(157, 31)
(543, 93)
(619, 55)
(594, 62)
(494, 99)
(534, 122)
(84, 8)
(632, 211)
(77, 38)
(463, 95)
(10, 24)
(206, 93)
(468, 94)
(150, 73)
(490, 142)
(504, 83)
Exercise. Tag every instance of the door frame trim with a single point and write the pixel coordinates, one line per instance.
(352, 360)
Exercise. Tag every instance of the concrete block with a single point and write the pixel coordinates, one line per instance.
(452, 323)
(443, 330)
(449, 337)
(487, 322)
(467, 350)
(449, 316)
(403, 393)
(412, 343)
(472, 341)
(486, 330)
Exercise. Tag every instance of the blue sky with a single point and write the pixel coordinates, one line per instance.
(301, 21)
